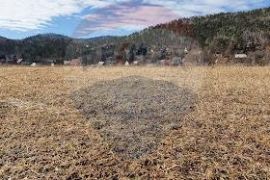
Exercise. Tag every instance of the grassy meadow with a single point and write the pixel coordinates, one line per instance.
(226, 136)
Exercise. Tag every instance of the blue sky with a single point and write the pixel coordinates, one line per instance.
(91, 18)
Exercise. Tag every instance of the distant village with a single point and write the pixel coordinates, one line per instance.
(131, 54)
(110, 54)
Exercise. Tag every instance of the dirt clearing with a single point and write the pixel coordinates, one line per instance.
(134, 113)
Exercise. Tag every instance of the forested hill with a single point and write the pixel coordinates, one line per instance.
(225, 30)
(224, 33)
(44, 47)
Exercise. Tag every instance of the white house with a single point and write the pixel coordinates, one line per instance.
(101, 63)
(135, 62)
(240, 56)
(33, 65)
(19, 61)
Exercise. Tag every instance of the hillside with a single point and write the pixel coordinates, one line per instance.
(227, 33)
(240, 30)
(240, 27)
(224, 33)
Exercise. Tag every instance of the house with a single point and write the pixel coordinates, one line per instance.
(19, 61)
(126, 63)
(101, 63)
(135, 62)
(140, 59)
(49, 61)
(107, 51)
(109, 61)
(176, 61)
(165, 62)
(240, 56)
(33, 64)
(66, 63)
(73, 62)
(8, 59)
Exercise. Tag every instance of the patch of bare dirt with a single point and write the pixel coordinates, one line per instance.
(134, 113)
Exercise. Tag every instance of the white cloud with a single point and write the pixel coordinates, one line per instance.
(130, 16)
(36, 14)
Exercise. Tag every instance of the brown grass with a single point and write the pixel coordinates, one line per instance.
(43, 135)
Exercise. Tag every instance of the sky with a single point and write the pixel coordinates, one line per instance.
(93, 18)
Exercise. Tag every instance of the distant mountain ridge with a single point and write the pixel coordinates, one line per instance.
(2, 38)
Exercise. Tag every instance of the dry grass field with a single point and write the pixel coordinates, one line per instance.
(225, 136)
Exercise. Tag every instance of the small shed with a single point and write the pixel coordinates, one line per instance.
(240, 56)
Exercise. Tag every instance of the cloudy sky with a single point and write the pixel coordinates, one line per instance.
(91, 18)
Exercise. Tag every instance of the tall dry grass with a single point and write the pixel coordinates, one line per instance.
(227, 136)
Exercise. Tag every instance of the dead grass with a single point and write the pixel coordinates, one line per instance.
(43, 135)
